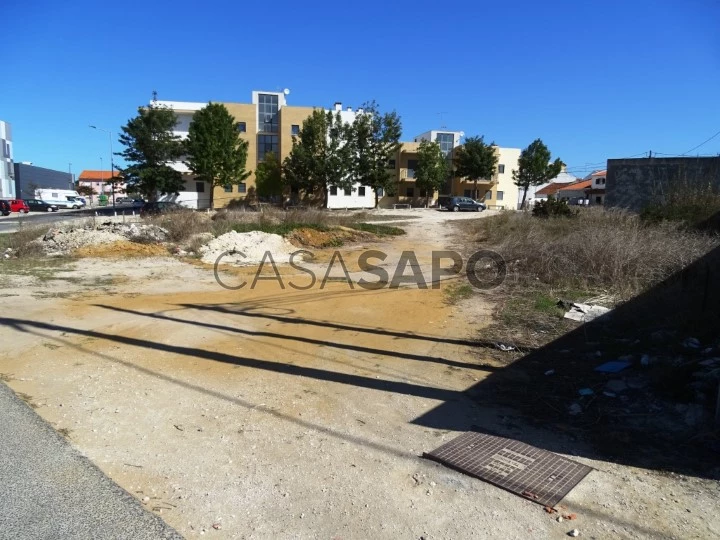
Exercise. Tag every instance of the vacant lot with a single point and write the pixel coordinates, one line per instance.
(281, 413)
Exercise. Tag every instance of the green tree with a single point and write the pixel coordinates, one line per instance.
(320, 155)
(432, 168)
(217, 154)
(374, 138)
(534, 167)
(476, 160)
(85, 191)
(150, 145)
(268, 177)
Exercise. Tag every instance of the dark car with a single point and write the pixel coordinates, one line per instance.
(161, 207)
(4, 208)
(36, 205)
(455, 204)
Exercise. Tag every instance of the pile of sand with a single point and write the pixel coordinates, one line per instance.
(247, 248)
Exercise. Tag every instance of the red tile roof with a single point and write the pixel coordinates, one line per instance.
(95, 175)
(577, 186)
(550, 189)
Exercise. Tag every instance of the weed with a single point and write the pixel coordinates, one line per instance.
(65, 432)
(27, 399)
(6, 378)
(456, 292)
(378, 229)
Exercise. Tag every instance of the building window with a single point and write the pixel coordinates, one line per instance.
(348, 191)
(267, 144)
(488, 195)
(598, 200)
(411, 166)
(500, 195)
(295, 129)
(410, 192)
(242, 187)
(268, 113)
(391, 164)
(241, 127)
(200, 187)
(361, 191)
(227, 188)
(501, 169)
(333, 190)
(379, 192)
(446, 142)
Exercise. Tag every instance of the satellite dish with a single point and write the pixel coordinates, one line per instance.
(286, 91)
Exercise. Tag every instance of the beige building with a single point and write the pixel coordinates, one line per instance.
(269, 124)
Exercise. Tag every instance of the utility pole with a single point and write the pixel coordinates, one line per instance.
(112, 164)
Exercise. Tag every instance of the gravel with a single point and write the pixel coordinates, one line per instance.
(247, 248)
(60, 241)
(48, 490)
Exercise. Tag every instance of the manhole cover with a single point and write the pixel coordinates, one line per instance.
(538, 475)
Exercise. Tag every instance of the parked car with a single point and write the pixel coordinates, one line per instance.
(18, 205)
(124, 200)
(36, 205)
(4, 207)
(76, 202)
(455, 204)
(161, 207)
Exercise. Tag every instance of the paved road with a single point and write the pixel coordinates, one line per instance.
(12, 222)
(48, 490)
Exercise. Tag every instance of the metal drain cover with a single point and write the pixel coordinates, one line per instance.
(537, 475)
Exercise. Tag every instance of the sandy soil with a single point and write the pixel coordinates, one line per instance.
(281, 413)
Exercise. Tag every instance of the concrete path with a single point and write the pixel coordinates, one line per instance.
(48, 490)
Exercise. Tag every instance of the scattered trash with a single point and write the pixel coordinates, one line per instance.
(586, 392)
(550, 510)
(217, 526)
(559, 519)
(614, 366)
(145, 500)
(574, 533)
(616, 386)
(575, 409)
(691, 343)
(570, 516)
(645, 360)
(609, 394)
(550, 372)
(504, 348)
(584, 312)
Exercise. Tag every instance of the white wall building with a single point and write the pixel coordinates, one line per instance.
(358, 196)
(533, 195)
(7, 167)
(196, 194)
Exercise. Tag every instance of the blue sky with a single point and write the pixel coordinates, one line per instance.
(594, 80)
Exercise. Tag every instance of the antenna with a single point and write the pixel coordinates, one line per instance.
(440, 114)
(286, 91)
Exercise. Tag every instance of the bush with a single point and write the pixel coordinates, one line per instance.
(553, 208)
(611, 250)
(695, 205)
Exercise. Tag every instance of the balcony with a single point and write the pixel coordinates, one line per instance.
(407, 175)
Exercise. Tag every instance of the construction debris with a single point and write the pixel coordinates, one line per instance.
(584, 312)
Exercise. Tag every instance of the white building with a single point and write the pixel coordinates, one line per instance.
(358, 196)
(540, 193)
(7, 167)
(195, 194)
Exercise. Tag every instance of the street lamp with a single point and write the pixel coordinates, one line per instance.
(112, 166)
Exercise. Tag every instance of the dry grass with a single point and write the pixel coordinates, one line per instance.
(600, 249)
(21, 242)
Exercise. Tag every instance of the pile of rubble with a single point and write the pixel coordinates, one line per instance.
(61, 241)
(247, 248)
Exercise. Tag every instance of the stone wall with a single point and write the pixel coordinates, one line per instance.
(635, 183)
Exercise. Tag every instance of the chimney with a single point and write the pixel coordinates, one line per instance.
(349, 109)
(338, 106)
(360, 110)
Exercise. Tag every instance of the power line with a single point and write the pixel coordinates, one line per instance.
(699, 145)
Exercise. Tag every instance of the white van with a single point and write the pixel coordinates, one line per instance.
(63, 198)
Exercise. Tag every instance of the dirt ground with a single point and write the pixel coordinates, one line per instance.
(284, 413)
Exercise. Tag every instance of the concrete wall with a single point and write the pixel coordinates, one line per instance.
(29, 176)
(635, 183)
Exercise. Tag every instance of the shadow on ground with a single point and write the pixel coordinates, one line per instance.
(658, 413)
